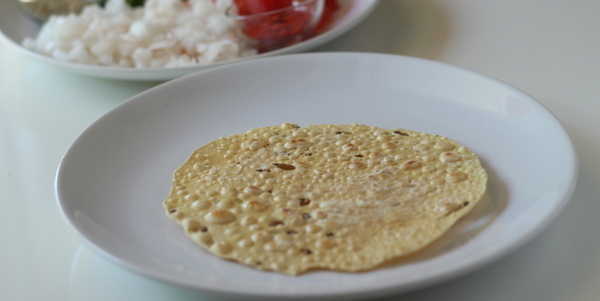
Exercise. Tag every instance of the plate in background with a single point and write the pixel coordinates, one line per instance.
(15, 26)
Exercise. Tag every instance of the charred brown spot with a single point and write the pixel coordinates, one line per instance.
(275, 223)
(305, 251)
(329, 234)
(284, 166)
(193, 229)
(411, 164)
(400, 133)
(203, 229)
(359, 156)
(465, 204)
(298, 140)
(270, 191)
(172, 210)
(306, 216)
(304, 201)
(291, 232)
(263, 170)
(308, 154)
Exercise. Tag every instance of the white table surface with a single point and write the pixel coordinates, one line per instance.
(548, 48)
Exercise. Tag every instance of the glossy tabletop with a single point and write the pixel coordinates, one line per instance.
(549, 49)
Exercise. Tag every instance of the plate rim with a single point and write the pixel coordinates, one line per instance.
(136, 74)
(495, 254)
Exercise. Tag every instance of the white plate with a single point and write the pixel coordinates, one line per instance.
(15, 26)
(111, 182)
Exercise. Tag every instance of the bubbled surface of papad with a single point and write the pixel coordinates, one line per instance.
(340, 197)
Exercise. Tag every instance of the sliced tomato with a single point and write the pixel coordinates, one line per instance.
(249, 7)
(283, 28)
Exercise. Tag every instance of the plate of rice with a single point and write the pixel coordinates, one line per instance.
(165, 39)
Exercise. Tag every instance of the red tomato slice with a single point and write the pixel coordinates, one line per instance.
(249, 7)
(283, 28)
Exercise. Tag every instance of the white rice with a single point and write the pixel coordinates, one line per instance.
(164, 33)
